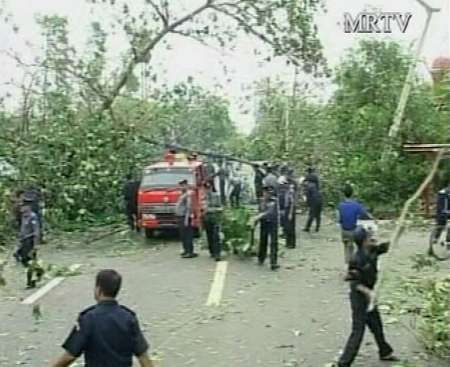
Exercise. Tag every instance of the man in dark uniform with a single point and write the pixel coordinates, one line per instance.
(259, 177)
(290, 216)
(362, 274)
(236, 188)
(223, 174)
(108, 334)
(211, 221)
(17, 201)
(130, 194)
(268, 217)
(183, 211)
(442, 209)
(29, 235)
(33, 195)
(311, 176)
(315, 202)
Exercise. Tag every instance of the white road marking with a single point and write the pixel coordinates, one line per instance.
(46, 288)
(215, 294)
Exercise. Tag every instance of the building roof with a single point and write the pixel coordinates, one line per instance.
(441, 63)
(426, 148)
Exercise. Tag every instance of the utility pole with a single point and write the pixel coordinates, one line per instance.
(290, 103)
(395, 127)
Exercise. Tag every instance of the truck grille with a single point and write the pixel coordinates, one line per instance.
(157, 209)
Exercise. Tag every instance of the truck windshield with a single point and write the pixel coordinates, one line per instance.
(166, 177)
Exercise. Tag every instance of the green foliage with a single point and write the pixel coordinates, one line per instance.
(434, 324)
(5, 212)
(236, 231)
(432, 304)
(346, 136)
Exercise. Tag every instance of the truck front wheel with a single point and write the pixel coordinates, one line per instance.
(149, 233)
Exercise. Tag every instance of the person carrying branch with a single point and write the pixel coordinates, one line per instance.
(362, 275)
(268, 218)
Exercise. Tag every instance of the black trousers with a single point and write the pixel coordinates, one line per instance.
(361, 318)
(34, 274)
(223, 196)
(269, 230)
(24, 252)
(186, 235)
(258, 190)
(314, 214)
(131, 213)
(235, 196)
(212, 230)
(289, 228)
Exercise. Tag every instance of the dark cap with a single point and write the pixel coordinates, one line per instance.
(183, 182)
(360, 235)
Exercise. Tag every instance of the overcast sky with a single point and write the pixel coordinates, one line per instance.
(187, 58)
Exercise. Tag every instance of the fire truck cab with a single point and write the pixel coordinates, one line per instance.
(159, 191)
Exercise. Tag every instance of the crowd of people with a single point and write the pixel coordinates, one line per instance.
(109, 334)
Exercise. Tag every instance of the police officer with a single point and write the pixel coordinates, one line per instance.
(211, 221)
(108, 334)
(362, 274)
(290, 216)
(311, 176)
(271, 180)
(258, 181)
(223, 174)
(315, 202)
(442, 209)
(268, 218)
(130, 193)
(29, 234)
(33, 195)
(183, 211)
(236, 188)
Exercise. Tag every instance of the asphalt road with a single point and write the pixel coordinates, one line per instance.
(298, 316)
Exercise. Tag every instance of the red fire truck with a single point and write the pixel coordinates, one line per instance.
(159, 192)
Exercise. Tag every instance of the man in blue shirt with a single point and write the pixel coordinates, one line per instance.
(349, 211)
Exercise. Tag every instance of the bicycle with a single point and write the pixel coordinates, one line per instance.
(440, 245)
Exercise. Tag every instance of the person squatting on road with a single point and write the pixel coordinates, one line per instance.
(362, 275)
(212, 210)
(442, 209)
(348, 213)
(268, 219)
(108, 334)
(183, 211)
(130, 194)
